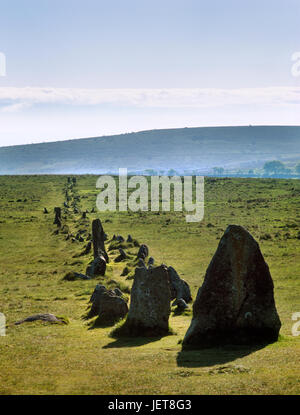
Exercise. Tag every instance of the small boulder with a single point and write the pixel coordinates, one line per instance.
(72, 276)
(118, 292)
(98, 240)
(112, 307)
(122, 255)
(141, 263)
(57, 219)
(181, 305)
(150, 261)
(51, 318)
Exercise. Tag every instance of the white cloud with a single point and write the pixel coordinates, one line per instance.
(14, 99)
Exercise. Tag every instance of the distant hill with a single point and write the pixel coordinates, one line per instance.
(184, 150)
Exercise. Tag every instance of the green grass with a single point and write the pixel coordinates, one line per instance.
(43, 358)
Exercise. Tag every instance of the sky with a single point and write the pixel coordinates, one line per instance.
(82, 68)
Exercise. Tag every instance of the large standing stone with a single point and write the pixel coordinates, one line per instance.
(150, 303)
(235, 304)
(98, 239)
(179, 287)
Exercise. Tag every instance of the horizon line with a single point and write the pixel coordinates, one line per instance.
(148, 130)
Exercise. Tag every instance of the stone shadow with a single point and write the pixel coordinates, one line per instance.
(130, 342)
(214, 356)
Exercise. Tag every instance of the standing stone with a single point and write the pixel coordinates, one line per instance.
(141, 263)
(95, 300)
(143, 251)
(179, 287)
(129, 239)
(57, 219)
(98, 240)
(51, 318)
(122, 255)
(235, 304)
(96, 267)
(108, 305)
(150, 303)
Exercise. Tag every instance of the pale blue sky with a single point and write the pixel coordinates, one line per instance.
(72, 46)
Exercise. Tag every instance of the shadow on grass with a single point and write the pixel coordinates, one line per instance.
(131, 342)
(214, 356)
(101, 323)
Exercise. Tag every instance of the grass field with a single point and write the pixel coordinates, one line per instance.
(42, 358)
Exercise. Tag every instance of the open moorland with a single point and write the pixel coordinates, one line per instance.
(82, 357)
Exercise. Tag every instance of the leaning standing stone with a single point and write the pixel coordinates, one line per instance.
(179, 287)
(235, 304)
